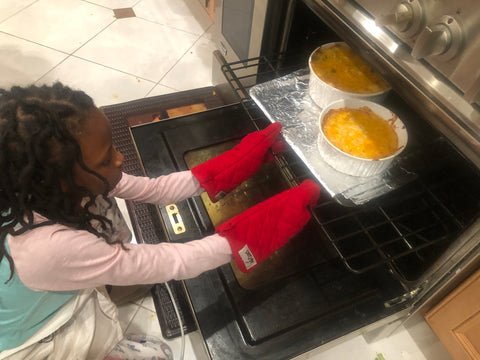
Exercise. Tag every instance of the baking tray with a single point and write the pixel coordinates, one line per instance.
(286, 100)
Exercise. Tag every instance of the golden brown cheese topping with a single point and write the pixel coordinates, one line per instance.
(360, 132)
(341, 68)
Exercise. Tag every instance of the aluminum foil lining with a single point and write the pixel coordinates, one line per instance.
(286, 100)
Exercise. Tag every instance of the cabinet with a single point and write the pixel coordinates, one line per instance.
(456, 320)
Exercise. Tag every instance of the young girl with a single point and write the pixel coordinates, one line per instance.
(62, 237)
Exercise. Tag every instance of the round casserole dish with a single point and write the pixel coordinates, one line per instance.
(353, 165)
(324, 92)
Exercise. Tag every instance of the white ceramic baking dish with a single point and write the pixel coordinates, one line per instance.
(353, 165)
(323, 94)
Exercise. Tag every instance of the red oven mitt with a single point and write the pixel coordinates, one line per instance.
(220, 175)
(264, 228)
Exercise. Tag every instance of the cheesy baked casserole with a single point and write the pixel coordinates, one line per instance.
(360, 132)
(340, 67)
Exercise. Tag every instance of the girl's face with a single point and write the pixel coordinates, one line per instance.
(98, 153)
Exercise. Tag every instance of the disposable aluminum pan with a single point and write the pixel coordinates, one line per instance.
(323, 94)
(353, 165)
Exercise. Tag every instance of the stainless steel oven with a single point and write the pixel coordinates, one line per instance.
(358, 267)
(425, 49)
(248, 29)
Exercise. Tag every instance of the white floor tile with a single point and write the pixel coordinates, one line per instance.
(138, 47)
(426, 340)
(114, 4)
(186, 15)
(147, 303)
(355, 348)
(146, 322)
(126, 314)
(104, 85)
(194, 69)
(209, 34)
(399, 346)
(62, 25)
(161, 90)
(23, 62)
(198, 345)
(9, 7)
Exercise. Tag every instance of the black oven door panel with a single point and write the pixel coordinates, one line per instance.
(162, 146)
(282, 318)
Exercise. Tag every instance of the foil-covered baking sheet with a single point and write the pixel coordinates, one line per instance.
(286, 100)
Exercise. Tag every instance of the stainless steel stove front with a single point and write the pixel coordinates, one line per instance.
(427, 49)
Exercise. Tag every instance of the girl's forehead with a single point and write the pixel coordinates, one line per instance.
(95, 123)
(95, 137)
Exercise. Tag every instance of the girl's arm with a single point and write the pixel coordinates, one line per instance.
(56, 258)
(162, 190)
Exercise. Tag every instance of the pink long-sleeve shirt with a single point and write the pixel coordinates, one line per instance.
(56, 257)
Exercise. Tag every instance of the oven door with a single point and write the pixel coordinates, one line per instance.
(302, 296)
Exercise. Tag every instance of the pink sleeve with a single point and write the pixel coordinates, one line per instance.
(56, 258)
(162, 190)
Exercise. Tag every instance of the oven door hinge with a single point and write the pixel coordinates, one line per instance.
(403, 298)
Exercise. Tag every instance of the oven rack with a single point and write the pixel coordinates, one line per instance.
(404, 231)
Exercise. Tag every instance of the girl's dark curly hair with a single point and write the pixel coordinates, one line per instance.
(37, 150)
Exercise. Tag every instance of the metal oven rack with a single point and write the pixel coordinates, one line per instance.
(405, 230)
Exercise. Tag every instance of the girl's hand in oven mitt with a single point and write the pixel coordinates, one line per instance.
(220, 175)
(264, 228)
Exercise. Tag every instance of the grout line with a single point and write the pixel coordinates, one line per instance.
(69, 54)
(132, 317)
(155, 85)
(93, 62)
(112, 68)
(92, 3)
(144, 307)
(34, 42)
(94, 36)
(105, 66)
(148, 20)
(46, 47)
(178, 60)
(72, 53)
(167, 26)
(207, 30)
(106, 7)
(19, 11)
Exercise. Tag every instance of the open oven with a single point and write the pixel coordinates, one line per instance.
(358, 267)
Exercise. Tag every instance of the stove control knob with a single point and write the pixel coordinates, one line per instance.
(443, 39)
(407, 18)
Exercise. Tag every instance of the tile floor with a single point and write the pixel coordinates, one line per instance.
(160, 47)
(165, 47)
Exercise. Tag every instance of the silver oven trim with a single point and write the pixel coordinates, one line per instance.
(435, 99)
(258, 24)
